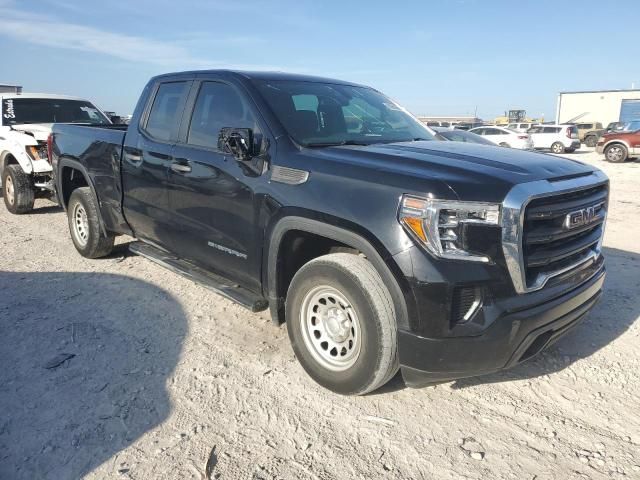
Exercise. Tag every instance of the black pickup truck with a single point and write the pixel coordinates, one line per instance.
(325, 201)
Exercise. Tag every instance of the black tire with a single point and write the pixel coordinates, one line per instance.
(616, 153)
(591, 141)
(17, 190)
(557, 148)
(505, 145)
(84, 225)
(370, 319)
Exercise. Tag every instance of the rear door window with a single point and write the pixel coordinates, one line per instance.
(166, 111)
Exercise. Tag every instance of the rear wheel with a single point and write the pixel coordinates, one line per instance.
(616, 153)
(341, 323)
(17, 190)
(84, 225)
(557, 147)
(591, 141)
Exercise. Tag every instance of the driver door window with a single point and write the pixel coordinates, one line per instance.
(218, 106)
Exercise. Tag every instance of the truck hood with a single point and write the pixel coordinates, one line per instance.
(472, 171)
(40, 131)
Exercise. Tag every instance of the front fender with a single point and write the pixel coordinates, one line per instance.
(11, 147)
(385, 265)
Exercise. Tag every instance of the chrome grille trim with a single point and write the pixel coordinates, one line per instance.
(513, 211)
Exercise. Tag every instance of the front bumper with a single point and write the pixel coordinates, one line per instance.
(513, 338)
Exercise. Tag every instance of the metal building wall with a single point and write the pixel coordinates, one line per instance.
(600, 106)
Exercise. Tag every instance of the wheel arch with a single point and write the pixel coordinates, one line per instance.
(70, 175)
(277, 283)
(616, 141)
(7, 158)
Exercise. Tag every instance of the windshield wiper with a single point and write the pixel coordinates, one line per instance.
(337, 144)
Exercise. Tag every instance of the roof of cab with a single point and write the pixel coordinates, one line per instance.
(263, 75)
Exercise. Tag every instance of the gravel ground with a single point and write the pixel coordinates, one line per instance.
(117, 368)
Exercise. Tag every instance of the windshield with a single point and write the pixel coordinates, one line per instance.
(17, 111)
(324, 114)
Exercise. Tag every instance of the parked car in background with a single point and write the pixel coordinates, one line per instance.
(592, 136)
(520, 127)
(505, 137)
(618, 146)
(584, 128)
(457, 135)
(557, 138)
(25, 124)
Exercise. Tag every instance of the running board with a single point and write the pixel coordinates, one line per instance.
(218, 284)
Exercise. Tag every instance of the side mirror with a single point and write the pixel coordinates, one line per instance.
(238, 142)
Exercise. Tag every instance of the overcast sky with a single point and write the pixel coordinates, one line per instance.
(436, 58)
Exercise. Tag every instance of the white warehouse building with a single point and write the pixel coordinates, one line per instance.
(602, 106)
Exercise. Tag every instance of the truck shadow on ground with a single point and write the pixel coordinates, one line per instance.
(85, 357)
(616, 312)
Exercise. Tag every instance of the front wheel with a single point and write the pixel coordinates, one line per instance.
(18, 191)
(341, 322)
(616, 153)
(557, 147)
(84, 225)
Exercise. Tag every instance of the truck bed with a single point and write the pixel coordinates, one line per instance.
(97, 150)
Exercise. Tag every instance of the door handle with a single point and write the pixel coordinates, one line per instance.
(133, 156)
(180, 167)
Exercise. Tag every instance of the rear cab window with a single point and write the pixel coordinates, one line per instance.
(166, 111)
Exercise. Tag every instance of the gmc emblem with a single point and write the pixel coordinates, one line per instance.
(580, 217)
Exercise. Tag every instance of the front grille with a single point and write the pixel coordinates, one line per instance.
(561, 230)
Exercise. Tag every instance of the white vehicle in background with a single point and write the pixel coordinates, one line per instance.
(557, 138)
(504, 137)
(25, 125)
(520, 127)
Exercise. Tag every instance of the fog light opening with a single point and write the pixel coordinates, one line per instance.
(465, 303)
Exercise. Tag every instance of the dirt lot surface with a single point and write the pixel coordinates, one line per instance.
(166, 377)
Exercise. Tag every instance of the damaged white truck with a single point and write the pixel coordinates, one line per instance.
(25, 125)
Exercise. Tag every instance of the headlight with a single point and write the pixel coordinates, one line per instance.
(439, 225)
(37, 152)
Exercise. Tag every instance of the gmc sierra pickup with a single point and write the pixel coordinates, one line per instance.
(330, 204)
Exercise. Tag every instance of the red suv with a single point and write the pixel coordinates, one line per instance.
(618, 146)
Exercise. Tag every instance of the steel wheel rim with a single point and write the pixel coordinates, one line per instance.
(330, 328)
(80, 224)
(9, 189)
(614, 153)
